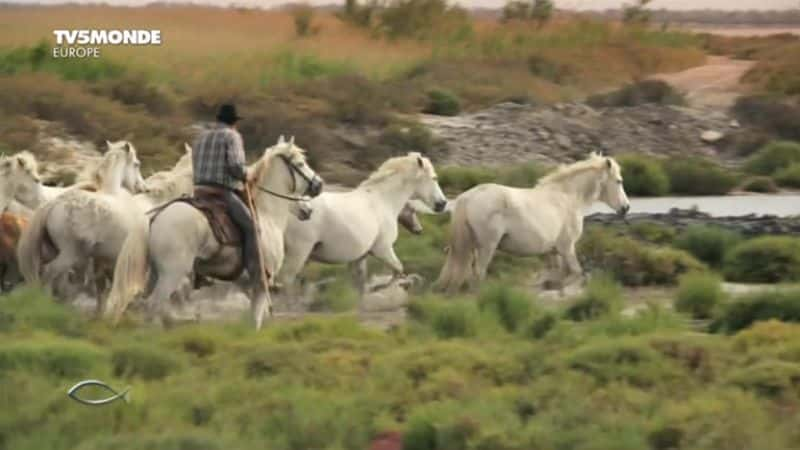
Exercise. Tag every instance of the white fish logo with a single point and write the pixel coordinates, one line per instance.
(73, 392)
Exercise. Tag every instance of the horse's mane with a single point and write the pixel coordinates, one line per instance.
(595, 161)
(170, 183)
(93, 176)
(393, 166)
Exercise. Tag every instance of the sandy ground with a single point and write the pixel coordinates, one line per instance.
(714, 85)
(744, 30)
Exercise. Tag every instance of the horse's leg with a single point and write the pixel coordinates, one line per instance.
(574, 271)
(358, 270)
(297, 254)
(488, 238)
(260, 303)
(385, 253)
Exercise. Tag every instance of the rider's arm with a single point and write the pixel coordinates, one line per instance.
(237, 166)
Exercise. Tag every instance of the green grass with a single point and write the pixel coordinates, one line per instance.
(459, 374)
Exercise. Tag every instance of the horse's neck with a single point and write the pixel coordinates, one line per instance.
(111, 181)
(394, 192)
(582, 188)
(272, 211)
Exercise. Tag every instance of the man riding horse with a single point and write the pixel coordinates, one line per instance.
(218, 161)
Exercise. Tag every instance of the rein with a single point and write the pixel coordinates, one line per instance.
(292, 171)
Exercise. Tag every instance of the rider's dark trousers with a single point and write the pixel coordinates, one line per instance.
(241, 216)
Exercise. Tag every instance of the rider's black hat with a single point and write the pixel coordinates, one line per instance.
(227, 114)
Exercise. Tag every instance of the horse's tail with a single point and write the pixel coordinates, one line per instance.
(461, 253)
(29, 247)
(130, 272)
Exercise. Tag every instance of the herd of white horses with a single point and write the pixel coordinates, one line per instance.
(98, 234)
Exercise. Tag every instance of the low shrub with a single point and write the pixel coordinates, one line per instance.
(638, 93)
(51, 358)
(551, 70)
(788, 176)
(29, 308)
(643, 176)
(144, 361)
(457, 179)
(603, 295)
(709, 244)
(303, 16)
(766, 259)
(454, 318)
(773, 157)
(696, 176)
(401, 137)
(783, 305)
(771, 114)
(764, 185)
(442, 103)
(653, 232)
(634, 263)
(633, 361)
(698, 294)
(772, 379)
(511, 306)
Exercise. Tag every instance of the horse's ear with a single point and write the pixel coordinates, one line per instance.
(127, 146)
(608, 163)
(291, 141)
(108, 143)
(420, 163)
(187, 148)
(281, 140)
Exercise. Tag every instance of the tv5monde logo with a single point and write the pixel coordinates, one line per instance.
(86, 43)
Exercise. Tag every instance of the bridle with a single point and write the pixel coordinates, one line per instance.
(293, 171)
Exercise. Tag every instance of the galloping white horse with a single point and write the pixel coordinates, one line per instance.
(545, 218)
(180, 239)
(346, 227)
(84, 225)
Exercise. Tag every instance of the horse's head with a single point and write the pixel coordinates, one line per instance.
(409, 220)
(125, 158)
(426, 186)
(21, 172)
(287, 165)
(612, 191)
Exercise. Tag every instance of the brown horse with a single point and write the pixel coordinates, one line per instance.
(11, 226)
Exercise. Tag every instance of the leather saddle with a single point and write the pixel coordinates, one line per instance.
(210, 201)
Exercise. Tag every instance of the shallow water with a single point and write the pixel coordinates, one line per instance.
(718, 206)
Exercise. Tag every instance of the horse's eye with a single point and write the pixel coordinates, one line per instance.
(619, 181)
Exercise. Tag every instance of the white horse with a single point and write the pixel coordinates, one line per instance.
(168, 184)
(346, 227)
(180, 239)
(84, 225)
(22, 184)
(542, 219)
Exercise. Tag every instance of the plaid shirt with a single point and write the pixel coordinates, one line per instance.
(218, 158)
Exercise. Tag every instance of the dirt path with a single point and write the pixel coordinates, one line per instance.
(714, 85)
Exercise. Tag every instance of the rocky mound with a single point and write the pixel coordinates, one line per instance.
(510, 133)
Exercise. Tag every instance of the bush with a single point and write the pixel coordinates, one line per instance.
(424, 19)
(773, 157)
(512, 307)
(408, 136)
(639, 93)
(709, 244)
(643, 176)
(28, 308)
(763, 185)
(772, 379)
(602, 296)
(653, 232)
(51, 358)
(442, 103)
(457, 179)
(303, 16)
(451, 318)
(550, 70)
(695, 176)
(783, 305)
(767, 259)
(789, 176)
(632, 262)
(769, 114)
(698, 294)
(144, 361)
